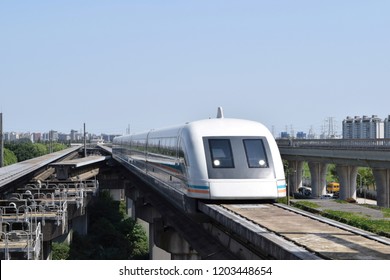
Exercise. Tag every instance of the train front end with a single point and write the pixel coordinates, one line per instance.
(235, 160)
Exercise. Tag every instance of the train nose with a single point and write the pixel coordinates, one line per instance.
(248, 189)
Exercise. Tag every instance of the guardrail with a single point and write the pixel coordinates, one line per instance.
(345, 144)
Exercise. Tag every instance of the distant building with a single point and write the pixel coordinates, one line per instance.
(284, 135)
(26, 135)
(348, 128)
(50, 136)
(301, 135)
(63, 137)
(37, 137)
(363, 127)
(73, 135)
(11, 136)
(386, 127)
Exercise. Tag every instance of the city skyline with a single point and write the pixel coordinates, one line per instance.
(111, 64)
(324, 129)
(351, 127)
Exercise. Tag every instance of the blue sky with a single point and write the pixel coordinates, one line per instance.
(152, 64)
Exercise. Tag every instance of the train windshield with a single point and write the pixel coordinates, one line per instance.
(255, 153)
(221, 153)
(238, 157)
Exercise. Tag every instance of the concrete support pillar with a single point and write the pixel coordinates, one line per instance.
(46, 250)
(130, 206)
(382, 179)
(117, 194)
(318, 172)
(169, 240)
(295, 168)
(347, 175)
(80, 224)
(164, 242)
(155, 252)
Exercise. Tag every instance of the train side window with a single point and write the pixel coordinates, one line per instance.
(221, 153)
(255, 153)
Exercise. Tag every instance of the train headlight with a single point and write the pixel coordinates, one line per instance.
(217, 162)
(262, 162)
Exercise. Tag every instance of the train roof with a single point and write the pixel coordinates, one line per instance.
(219, 126)
(211, 127)
(227, 126)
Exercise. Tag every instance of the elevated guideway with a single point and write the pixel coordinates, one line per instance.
(12, 173)
(348, 155)
(257, 230)
(38, 199)
(64, 168)
(288, 233)
(40, 210)
(357, 152)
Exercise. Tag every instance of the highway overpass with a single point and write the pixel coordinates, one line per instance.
(348, 155)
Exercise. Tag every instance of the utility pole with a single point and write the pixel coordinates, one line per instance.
(329, 128)
(1, 141)
(85, 142)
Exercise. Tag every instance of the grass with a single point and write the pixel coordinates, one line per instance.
(386, 212)
(341, 201)
(381, 226)
(307, 204)
(378, 226)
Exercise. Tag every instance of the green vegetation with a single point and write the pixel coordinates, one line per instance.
(378, 226)
(9, 157)
(307, 204)
(340, 201)
(60, 251)
(23, 150)
(365, 177)
(283, 200)
(111, 236)
(332, 175)
(386, 212)
(381, 227)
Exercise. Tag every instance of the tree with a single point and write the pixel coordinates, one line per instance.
(60, 251)
(24, 149)
(57, 147)
(9, 157)
(136, 236)
(366, 177)
(112, 235)
(39, 149)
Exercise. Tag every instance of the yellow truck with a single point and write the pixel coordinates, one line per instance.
(333, 187)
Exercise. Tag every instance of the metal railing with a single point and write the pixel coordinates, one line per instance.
(23, 213)
(345, 144)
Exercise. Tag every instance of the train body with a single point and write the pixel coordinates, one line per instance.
(216, 159)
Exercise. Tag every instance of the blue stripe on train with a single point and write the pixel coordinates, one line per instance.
(198, 187)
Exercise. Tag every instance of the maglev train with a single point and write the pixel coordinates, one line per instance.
(212, 159)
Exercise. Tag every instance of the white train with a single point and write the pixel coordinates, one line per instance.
(217, 159)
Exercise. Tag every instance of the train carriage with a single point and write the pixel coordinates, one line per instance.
(217, 159)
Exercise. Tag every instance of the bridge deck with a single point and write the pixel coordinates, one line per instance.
(75, 163)
(326, 240)
(15, 171)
